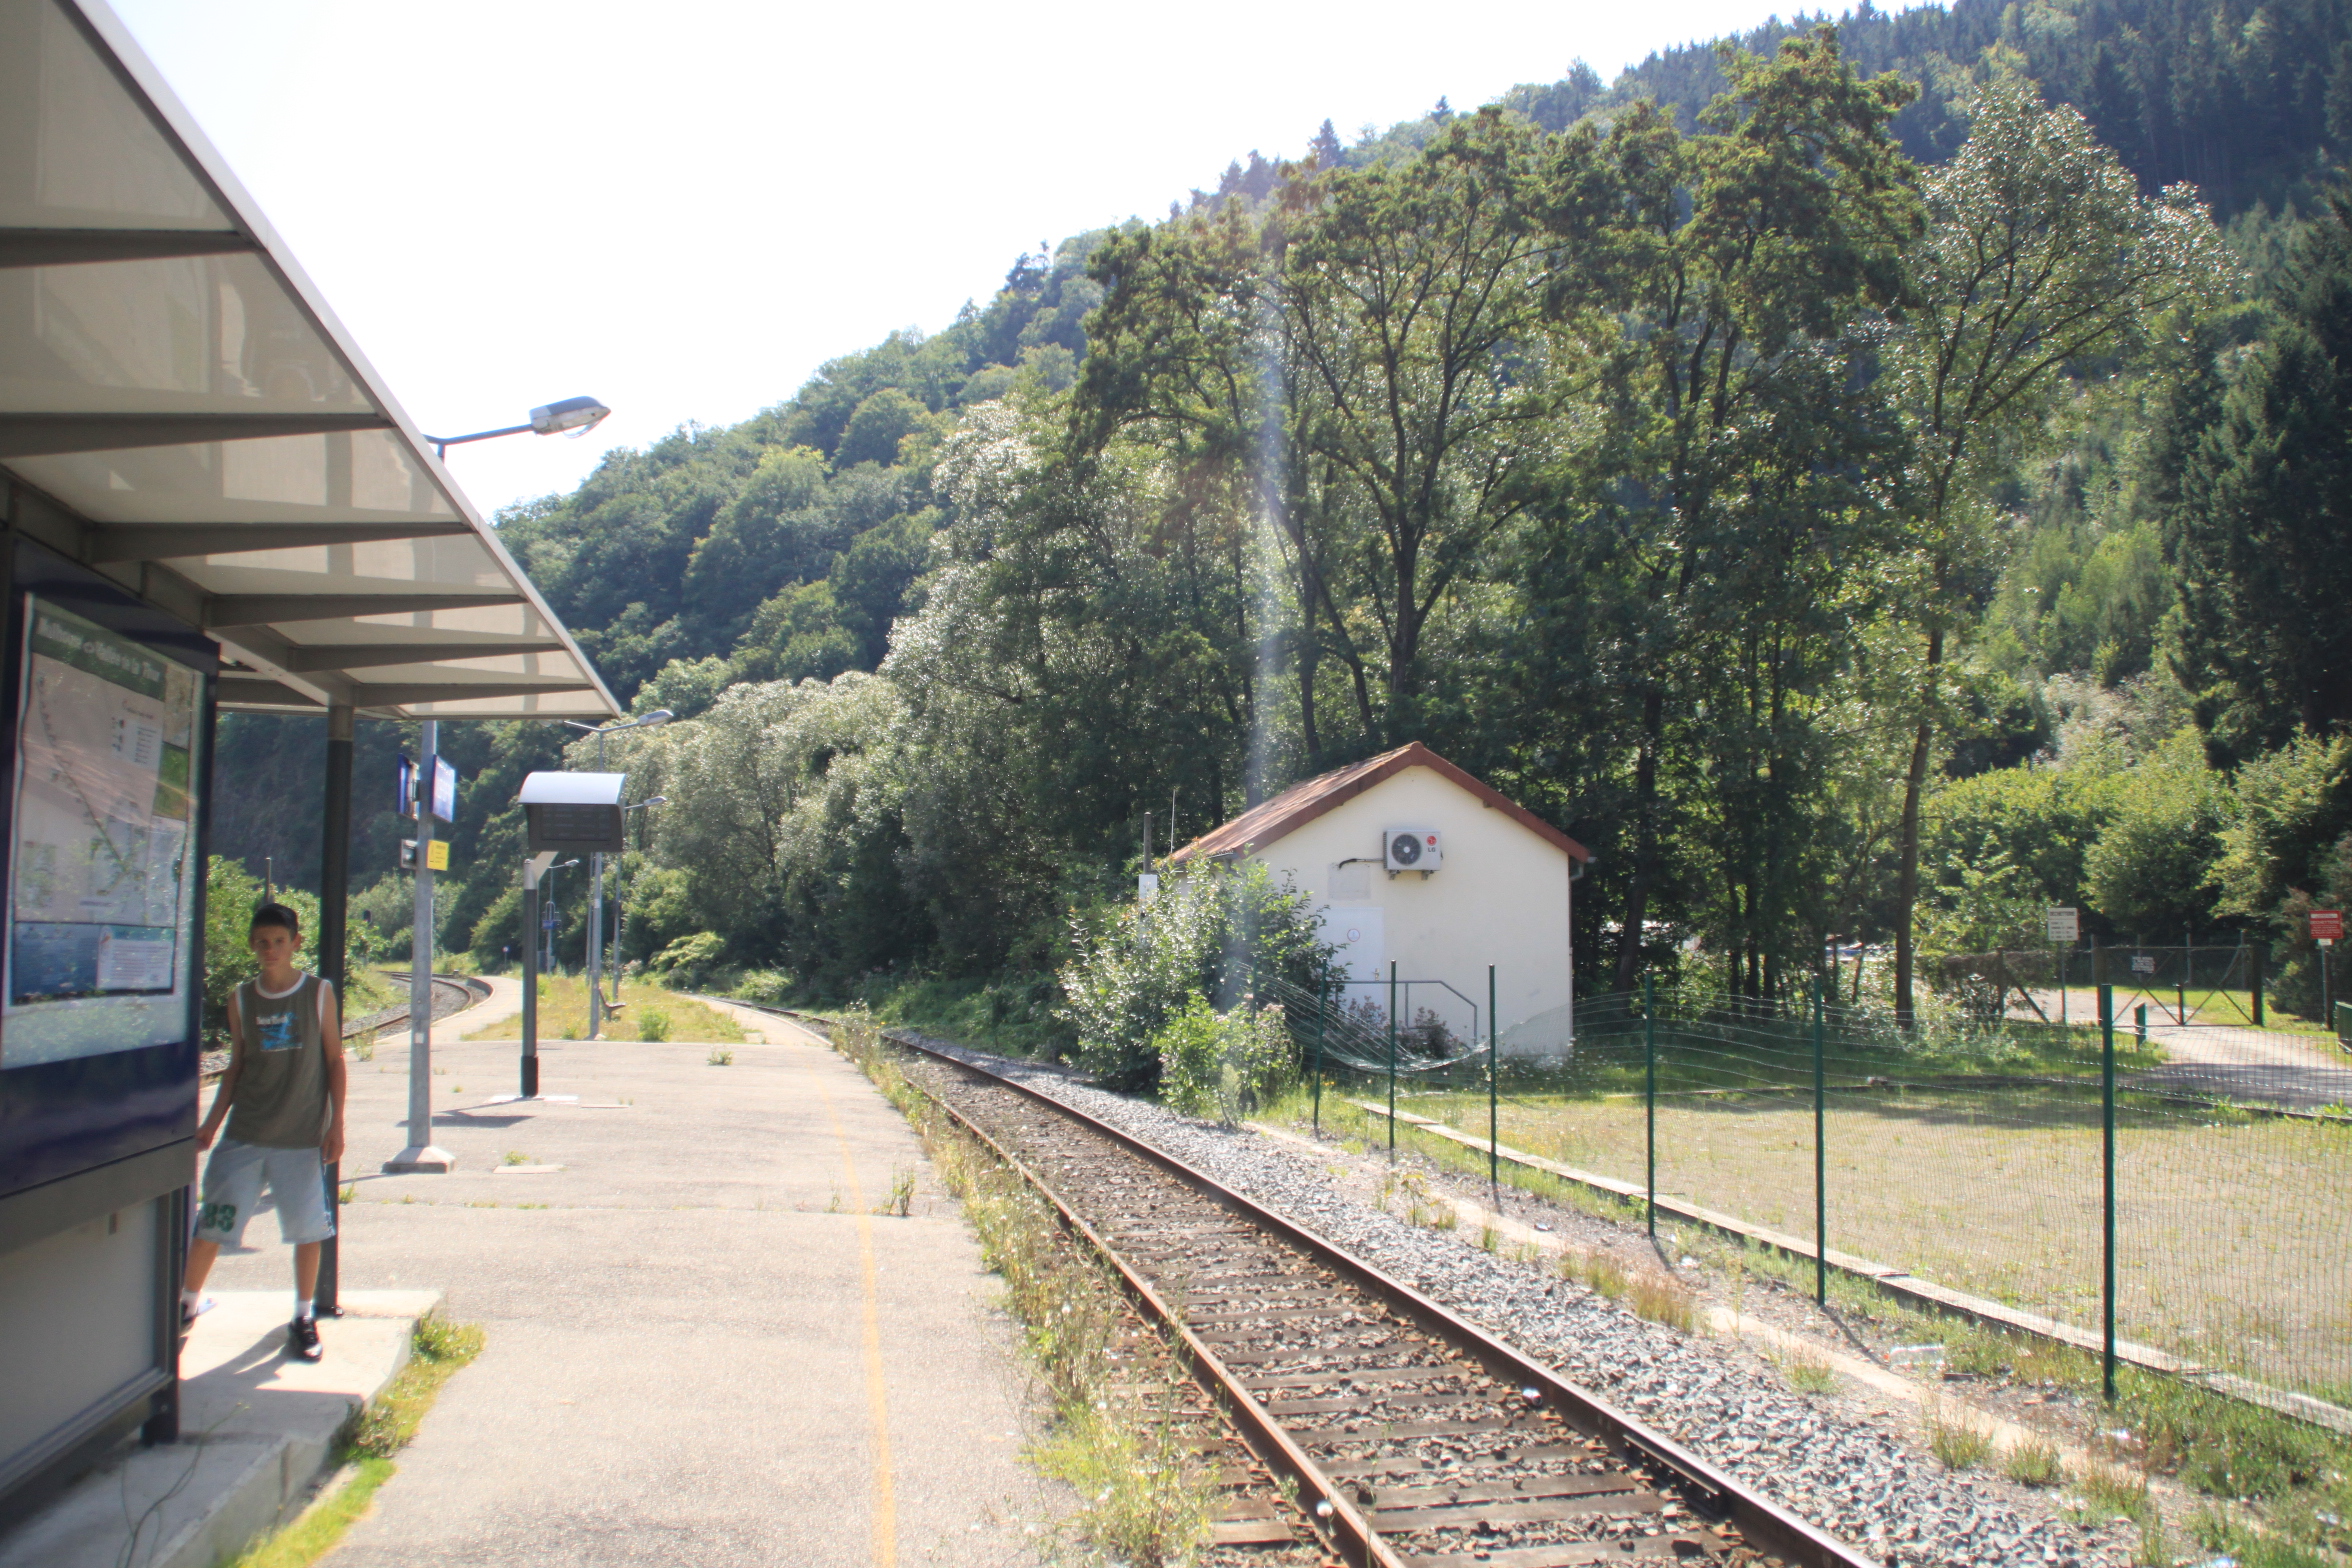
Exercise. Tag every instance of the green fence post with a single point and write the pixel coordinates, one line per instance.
(1820, 1163)
(2107, 1175)
(1650, 1095)
(1494, 1095)
(2140, 1025)
(1392, 1061)
(1322, 1010)
(2254, 980)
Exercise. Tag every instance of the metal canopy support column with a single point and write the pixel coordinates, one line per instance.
(533, 869)
(422, 1154)
(333, 954)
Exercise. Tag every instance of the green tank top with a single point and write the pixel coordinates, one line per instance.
(281, 1098)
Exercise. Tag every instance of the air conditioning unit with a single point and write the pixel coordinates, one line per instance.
(1411, 849)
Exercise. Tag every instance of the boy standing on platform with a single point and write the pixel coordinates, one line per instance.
(283, 1098)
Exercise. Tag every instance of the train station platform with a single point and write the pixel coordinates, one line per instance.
(703, 1342)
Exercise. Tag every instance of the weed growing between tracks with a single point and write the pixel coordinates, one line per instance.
(368, 1443)
(1118, 1439)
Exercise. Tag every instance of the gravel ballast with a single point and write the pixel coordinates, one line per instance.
(1852, 1479)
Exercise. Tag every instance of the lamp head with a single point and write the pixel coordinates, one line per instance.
(576, 414)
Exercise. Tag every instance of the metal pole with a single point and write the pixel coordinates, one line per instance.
(1392, 1061)
(2180, 982)
(1650, 1096)
(1494, 1180)
(333, 960)
(596, 924)
(2140, 1025)
(1820, 1165)
(530, 1084)
(1322, 1011)
(2255, 977)
(421, 1155)
(2107, 1180)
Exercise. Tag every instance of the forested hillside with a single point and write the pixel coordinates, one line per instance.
(1853, 490)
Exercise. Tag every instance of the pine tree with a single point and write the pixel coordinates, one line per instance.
(2258, 517)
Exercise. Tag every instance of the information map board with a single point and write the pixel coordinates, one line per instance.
(102, 881)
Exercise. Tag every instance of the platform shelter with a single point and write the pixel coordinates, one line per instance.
(211, 503)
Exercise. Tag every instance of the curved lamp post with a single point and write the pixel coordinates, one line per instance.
(574, 415)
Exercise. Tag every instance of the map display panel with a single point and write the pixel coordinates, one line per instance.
(102, 892)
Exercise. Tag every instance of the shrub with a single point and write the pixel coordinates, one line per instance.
(771, 986)
(1209, 929)
(686, 962)
(1222, 1064)
(653, 1024)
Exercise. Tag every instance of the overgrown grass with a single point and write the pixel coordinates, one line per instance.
(1662, 1299)
(1128, 1455)
(1012, 1016)
(1956, 1437)
(368, 1443)
(1808, 1371)
(2034, 1462)
(563, 1015)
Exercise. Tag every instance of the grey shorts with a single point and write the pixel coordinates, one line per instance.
(234, 1177)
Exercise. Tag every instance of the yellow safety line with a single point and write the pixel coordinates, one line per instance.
(877, 1400)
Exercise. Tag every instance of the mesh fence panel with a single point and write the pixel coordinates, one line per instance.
(1968, 1154)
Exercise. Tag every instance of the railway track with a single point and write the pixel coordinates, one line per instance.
(1410, 1437)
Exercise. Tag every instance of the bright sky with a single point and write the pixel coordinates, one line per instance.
(684, 209)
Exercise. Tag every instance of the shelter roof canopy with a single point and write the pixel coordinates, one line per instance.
(180, 411)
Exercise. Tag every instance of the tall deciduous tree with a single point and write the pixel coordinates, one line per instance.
(2040, 253)
(1735, 261)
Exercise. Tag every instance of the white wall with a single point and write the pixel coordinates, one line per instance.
(1501, 898)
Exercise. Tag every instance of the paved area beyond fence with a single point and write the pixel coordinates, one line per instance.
(703, 1344)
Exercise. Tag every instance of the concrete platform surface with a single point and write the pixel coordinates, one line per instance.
(703, 1344)
(256, 1430)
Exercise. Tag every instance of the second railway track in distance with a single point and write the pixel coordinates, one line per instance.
(1415, 1439)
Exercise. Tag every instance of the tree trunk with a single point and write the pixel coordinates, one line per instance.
(1907, 877)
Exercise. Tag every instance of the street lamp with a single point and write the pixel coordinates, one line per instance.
(596, 864)
(575, 415)
(620, 943)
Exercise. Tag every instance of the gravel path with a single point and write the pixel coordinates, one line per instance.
(1856, 1481)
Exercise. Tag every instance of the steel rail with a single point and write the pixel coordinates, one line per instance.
(1767, 1526)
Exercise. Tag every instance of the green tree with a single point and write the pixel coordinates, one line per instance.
(1724, 277)
(2040, 253)
(2149, 870)
(2258, 515)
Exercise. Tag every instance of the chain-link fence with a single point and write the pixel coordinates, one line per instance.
(1975, 1154)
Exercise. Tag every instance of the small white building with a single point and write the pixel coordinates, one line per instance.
(1416, 863)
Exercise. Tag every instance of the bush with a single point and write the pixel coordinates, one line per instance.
(770, 986)
(685, 963)
(1211, 927)
(1224, 1065)
(653, 1024)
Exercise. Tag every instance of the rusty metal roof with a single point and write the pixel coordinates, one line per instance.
(1302, 803)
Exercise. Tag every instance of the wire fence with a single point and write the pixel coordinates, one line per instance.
(2199, 1208)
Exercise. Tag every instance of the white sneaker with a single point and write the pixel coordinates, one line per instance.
(190, 1311)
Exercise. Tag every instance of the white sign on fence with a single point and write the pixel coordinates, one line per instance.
(2063, 925)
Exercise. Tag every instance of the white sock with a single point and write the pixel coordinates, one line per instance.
(190, 1297)
(305, 1307)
